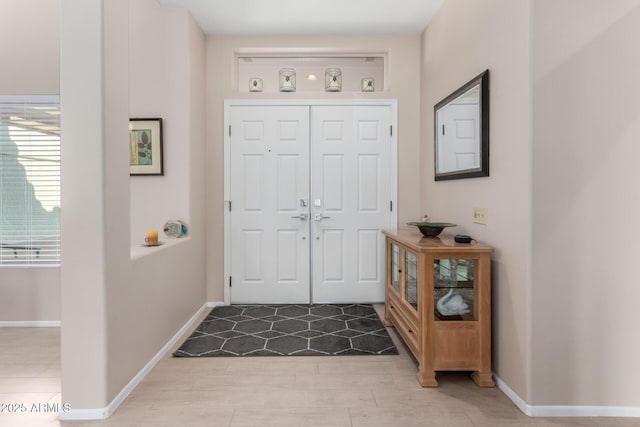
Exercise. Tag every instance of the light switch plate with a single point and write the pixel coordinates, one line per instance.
(480, 215)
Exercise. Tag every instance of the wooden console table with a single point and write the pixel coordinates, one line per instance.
(422, 271)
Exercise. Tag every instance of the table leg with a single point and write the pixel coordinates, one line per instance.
(483, 379)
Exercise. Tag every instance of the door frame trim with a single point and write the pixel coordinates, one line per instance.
(228, 103)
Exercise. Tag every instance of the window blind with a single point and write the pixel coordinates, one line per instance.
(29, 181)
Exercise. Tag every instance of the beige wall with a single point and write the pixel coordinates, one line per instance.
(30, 47)
(159, 73)
(403, 82)
(30, 66)
(119, 312)
(464, 38)
(29, 294)
(586, 203)
(564, 128)
(83, 313)
(166, 72)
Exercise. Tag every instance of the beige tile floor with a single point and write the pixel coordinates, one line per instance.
(350, 391)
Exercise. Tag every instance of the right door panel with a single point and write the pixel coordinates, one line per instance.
(350, 195)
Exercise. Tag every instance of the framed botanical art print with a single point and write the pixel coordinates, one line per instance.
(145, 147)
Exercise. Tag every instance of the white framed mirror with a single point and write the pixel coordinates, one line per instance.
(462, 131)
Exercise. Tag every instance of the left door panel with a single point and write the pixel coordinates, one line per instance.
(269, 220)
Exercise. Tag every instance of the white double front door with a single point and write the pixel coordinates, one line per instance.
(310, 190)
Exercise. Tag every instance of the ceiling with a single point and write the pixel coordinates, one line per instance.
(310, 17)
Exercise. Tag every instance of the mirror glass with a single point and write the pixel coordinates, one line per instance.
(462, 131)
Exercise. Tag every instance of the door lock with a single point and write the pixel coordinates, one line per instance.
(320, 217)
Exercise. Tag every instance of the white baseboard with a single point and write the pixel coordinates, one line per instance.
(30, 324)
(565, 411)
(215, 304)
(517, 400)
(84, 414)
(103, 413)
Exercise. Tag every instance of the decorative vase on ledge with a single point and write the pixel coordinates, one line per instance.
(368, 84)
(333, 80)
(255, 84)
(287, 80)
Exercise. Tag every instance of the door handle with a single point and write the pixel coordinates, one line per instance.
(320, 217)
(302, 216)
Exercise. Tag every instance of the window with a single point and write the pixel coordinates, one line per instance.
(29, 180)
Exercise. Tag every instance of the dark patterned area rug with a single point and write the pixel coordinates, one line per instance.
(289, 330)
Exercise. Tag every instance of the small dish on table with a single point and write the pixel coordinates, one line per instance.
(150, 245)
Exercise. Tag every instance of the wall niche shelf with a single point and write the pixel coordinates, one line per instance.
(310, 67)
